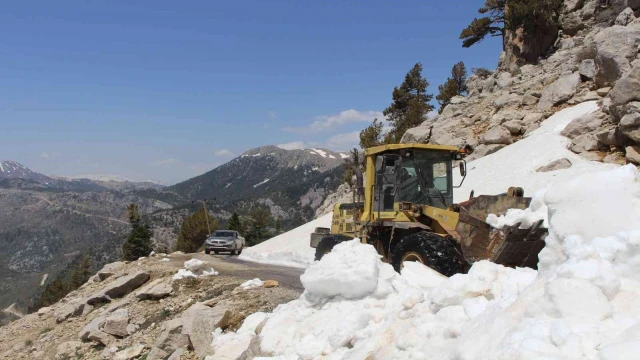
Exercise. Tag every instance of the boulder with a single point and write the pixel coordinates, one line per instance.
(587, 69)
(630, 126)
(589, 9)
(533, 118)
(616, 47)
(489, 84)
(625, 17)
(92, 331)
(571, 23)
(199, 321)
(271, 283)
(632, 154)
(418, 134)
(484, 150)
(590, 96)
(116, 323)
(572, 5)
(504, 80)
(560, 91)
(129, 353)
(253, 350)
(169, 340)
(506, 99)
(119, 287)
(458, 100)
(155, 290)
(603, 91)
(530, 99)
(506, 115)
(497, 135)
(71, 309)
(177, 355)
(514, 127)
(583, 125)
(68, 349)
(612, 137)
(555, 165)
(627, 88)
(583, 143)
(108, 270)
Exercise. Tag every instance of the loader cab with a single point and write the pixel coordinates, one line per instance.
(417, 175)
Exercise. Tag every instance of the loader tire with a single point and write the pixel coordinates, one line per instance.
(327, 243)
(432, 250)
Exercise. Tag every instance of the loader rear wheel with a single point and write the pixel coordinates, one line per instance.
(430, 249)
(327, 243)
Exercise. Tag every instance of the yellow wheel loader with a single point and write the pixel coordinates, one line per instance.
(408, 214)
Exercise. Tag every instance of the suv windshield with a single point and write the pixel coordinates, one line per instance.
(229, 234)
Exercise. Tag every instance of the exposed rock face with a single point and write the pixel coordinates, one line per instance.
(170, 340)
(119, 287)
(560, 91)
(583, 125)
(627, 88)
(155, 290)
(616, 47)
(630, 126)
(555, 165)
(71, 309)
(199, 322)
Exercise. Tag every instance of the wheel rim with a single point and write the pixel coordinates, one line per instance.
(411, 256)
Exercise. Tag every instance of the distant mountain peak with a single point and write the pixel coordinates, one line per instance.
(102, 177)
(14, 170)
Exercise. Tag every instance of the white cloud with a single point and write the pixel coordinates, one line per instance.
(294, 145)
(222, 152)
(325, 123)
(46, 155)
(166, 162)
(344, 142)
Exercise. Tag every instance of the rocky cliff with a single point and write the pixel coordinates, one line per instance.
(594, 57)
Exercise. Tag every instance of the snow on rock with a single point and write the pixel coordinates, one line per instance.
(583, 303)
(289, 249)
(195, 268)
(252, 284)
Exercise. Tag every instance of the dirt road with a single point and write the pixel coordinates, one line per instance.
(232, 266)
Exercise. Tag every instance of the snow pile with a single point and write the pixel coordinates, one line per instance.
(584, 303)
(288, 249)
(536, 211)
(194, 268)
(252, 284)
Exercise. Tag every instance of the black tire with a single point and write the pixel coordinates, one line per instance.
(207, 251)
(240, 251)
(216, 252)
(327, 243)
(234, 252)
(434, 251)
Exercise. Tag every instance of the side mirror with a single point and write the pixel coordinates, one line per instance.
(463, 169)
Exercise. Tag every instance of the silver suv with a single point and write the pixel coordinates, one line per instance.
(224, 240)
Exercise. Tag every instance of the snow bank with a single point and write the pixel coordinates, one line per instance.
(288, 249)
(584, 303)
(252, 284)
(516, 164)
(195, 268)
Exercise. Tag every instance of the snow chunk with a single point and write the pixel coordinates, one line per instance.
(350, 270)
(535, 212)
(195, 268)
(252, 284)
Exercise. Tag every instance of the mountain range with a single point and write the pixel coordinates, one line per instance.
(49, 221)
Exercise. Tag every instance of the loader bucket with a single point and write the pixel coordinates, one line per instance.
(509, 246)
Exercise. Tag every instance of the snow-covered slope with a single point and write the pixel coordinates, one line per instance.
(290, 249)
(515, 165)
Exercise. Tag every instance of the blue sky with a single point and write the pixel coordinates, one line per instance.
(168, 90)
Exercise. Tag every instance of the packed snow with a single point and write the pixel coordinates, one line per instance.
(320, 152)
(194, 268)
(252, 284)
(288, 249)
(583, 303)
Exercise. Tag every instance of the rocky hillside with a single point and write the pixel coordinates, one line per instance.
(595, 57)
(129, 310)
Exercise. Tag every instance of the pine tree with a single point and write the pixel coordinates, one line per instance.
(372, 135)
(235, 223)
(257, 230)
(509, 15)
(278, 225)
(138, 243)
(454, 86)
(410, 105)
(194, 232)
(80, 273)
